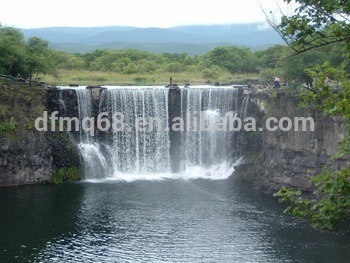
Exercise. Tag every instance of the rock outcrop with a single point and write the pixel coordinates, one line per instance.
(28, 156)
(288, 158)
(25, 161)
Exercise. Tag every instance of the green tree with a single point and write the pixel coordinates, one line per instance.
(38, 58)
(130, 68)
(272, 57)
(233, 59)
(319, 23)
(11, 50)
(212, 72)
(174, 67)
(315, 23)
(294, 66)
(67, 61)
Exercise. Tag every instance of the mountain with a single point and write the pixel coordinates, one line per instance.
(182, 39)
(192, 49)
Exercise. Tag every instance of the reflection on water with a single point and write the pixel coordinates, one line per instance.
(33, 215)
(156, 221)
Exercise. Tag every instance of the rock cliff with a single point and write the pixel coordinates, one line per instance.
(288, 158)
(28, 156)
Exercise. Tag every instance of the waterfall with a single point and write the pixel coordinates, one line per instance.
(84, 110)
(134, 151)
(207, 148)
(204, 149)
(94, 161)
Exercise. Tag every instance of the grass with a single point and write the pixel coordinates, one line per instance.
(20, 105)
(84, 77)
(7, 127)
(64, 174)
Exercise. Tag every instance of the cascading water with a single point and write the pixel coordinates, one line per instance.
(94, 161)
(84, 110)
(137, 151)
(126, 153)
(207, 144)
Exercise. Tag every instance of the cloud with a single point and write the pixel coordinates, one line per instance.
(141, 13)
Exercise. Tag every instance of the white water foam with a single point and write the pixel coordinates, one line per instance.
(215, 172)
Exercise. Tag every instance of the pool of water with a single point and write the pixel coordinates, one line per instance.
(156, 221)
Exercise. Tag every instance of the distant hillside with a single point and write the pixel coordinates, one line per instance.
(182, 39)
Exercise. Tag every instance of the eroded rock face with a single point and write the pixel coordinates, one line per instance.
(291, 158)
(26, 161)
(28, 156)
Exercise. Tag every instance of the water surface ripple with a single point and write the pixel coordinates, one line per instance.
(156, 221)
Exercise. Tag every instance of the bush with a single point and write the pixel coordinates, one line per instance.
(7, 127)
(267, 75)
(174, 67)
(212, 72)
(66, 174)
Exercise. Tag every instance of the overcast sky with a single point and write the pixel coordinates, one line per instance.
(140, 13)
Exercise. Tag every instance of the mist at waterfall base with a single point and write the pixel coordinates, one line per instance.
(133, 155)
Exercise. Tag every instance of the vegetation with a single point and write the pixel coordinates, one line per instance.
(23, 58)
(316, 23)
(320, 24)
(6, 127)
(38, 58)
(63, 174)
(31, 58)
(65, 157)
(13, 100)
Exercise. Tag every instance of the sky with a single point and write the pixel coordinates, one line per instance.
(139, 13)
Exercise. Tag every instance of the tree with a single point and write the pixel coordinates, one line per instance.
(315, 23)
(211, 72)
(37, 59)
(174, 67)
(67, 61)
(319, 23)
(11, 49)
(233, 59)
(273, 56)
(294, 66)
